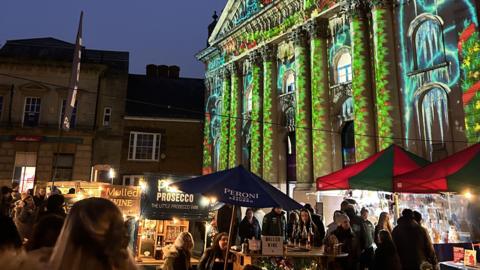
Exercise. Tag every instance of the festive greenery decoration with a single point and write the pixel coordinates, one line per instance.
(359, 90)
(319, 103)
(268, 96)
(309, 4)
(225, 124)
(233, 143)
(256, 130)
(469, 50)
(382, 93)
(207, 146)
(302, 129)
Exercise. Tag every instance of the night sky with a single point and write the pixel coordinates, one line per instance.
(167, 32)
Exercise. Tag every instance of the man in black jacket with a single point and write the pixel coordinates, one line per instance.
(413, 243)
(274, 223)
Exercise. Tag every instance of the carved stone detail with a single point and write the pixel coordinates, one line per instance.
(318, 28)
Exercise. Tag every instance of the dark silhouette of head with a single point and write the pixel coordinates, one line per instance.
(407, 213)
(417, 217)
(46, 232)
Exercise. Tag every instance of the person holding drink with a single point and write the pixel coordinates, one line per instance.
(306, 232)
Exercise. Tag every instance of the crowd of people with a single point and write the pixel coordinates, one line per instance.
(38, 234)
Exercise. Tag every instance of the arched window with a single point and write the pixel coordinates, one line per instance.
(426, 34)
(343, 68)
(348, 144)
(432, 103)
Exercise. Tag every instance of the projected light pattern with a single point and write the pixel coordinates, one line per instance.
(437, 59)
(225, 122)
(207, 146)
(233, 144)
(319, 104)
(382, 70)
(256, 125)
(301, 129)
(268, 96)
(359, 90)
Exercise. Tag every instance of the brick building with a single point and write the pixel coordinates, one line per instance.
(34, 76)
(163, 124)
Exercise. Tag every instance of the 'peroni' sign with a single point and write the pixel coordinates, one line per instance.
(238, 196)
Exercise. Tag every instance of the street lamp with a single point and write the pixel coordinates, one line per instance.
(111, 174)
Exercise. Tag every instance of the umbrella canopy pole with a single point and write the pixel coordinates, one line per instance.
(229, 236)
(397, 206)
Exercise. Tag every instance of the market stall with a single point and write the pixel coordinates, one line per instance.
(165, 213)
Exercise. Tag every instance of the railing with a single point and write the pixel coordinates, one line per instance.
(341, 90)
(287, 103)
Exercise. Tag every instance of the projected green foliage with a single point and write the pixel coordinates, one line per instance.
(301, 126)
(225, 124)
(207, 146)
(255, 129)
(359, 90)
(268, 96)
(319, 103)
(233, 144)
(469, 49)
(382, 67)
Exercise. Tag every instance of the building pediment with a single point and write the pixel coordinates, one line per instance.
(235, 13)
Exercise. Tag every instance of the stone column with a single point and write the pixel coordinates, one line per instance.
(321, 122)
(270, 125)
(256, 128)
(225, 120)
(362, 87)
(235, 141)
(303, 120)
(207, 142)
(387, 103)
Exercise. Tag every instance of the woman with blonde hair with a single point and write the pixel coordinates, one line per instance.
(383, 224)
(94, 236)
(177, 256)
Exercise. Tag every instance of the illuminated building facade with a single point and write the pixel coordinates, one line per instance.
(299, 88)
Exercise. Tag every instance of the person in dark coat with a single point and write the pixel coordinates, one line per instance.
(413, 243)
(274, 223)
(6, 201)
(249, 227)
(367, 254)
(386, 256)
(317, 219)
(54, 206)
(347, 238)
(224, 214)
(361, 235)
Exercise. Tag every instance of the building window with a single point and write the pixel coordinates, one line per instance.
(31, 114)
(107, 115)
(24, 170)
(348, 144)
(63, 167)
(344, 68)
(73, 119)
(426, 37)
(131, 180)
(144, 146)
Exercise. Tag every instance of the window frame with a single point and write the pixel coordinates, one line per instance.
(131, 177)
(56, 166)
(347, 68)
(109, 114)
(25, 110)
(156, 146)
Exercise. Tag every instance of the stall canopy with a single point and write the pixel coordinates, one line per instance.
(374, 173)
(459, 172)
(238, 187)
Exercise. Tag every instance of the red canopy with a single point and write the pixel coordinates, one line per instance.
(373, 173)
(456, 173)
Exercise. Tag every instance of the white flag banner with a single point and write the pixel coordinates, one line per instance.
(74, 78)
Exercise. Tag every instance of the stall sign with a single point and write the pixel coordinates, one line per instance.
(458, 254)
(161, 200)
(272, 245)
(470, 258)
(127, 198)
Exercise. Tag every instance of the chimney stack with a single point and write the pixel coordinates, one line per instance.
(173, 72)
(162, 71)
(151, 71)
